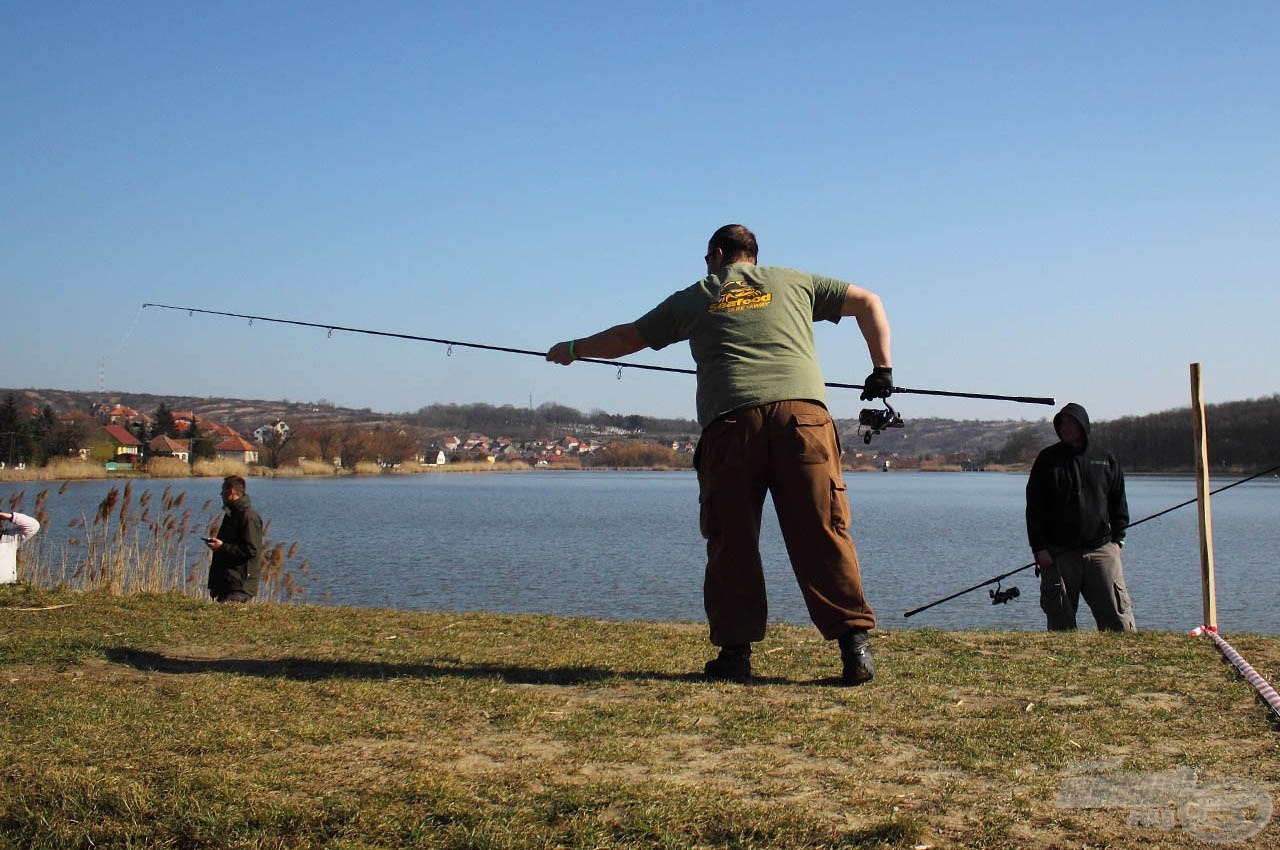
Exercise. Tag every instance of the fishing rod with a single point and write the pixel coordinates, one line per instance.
(999, 597)
(619, 364)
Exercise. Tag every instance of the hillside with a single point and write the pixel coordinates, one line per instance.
(244, 415)
(924, 437)
(942, 437)
(1241, 433)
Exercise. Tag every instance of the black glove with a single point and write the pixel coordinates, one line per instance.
(879, 384)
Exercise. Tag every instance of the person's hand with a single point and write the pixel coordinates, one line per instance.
(213, 543)
(1043, 559)
(562, 353)
(879, 384)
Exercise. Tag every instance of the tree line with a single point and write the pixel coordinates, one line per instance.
(36, 439)
(1241, 436)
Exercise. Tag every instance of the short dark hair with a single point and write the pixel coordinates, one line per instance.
(235, 482)
(736, 241)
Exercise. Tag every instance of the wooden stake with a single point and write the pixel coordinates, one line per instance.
(1202, 495)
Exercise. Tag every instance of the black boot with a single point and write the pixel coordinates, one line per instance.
(855, 653)
(733, 664)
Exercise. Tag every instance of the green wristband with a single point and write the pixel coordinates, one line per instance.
(572, 343)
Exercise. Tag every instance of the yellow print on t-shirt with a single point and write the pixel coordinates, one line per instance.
(737, 295)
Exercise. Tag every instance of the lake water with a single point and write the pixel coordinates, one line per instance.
(625, 545)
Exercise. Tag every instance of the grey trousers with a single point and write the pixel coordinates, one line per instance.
(1095, 574)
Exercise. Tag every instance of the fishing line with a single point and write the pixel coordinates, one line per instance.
(618, 364)
(997, 579)
(102, 364)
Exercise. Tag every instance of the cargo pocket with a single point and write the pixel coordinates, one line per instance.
(706, 519)
(839, 506)
(811, 437)
(1121, 594)
(716, 441)
(1053, 602)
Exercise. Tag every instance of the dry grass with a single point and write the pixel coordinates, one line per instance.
(220, 468)
(384, 729)
(478, 466)
(168, 467)
(59, 469)
(316, 467)
(283, 471)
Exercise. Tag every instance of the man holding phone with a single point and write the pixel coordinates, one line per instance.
(237, 550)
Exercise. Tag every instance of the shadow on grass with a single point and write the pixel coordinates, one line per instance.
(310, 670)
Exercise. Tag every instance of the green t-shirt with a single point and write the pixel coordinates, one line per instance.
(750, 330)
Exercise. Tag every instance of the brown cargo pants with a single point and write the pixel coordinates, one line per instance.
(790, 450)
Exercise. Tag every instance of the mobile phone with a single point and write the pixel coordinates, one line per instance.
(208, 539)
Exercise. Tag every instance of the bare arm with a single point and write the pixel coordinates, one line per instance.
(617, 341)
(866, 308)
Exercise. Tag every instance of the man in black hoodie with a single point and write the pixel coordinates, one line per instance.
(1076, 518)
(237, 550)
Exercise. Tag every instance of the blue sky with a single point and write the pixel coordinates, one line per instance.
(1068, 199)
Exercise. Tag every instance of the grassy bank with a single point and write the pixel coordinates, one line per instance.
(163, 721)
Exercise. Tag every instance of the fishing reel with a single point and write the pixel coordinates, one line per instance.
(875, 421)
(1000, 596)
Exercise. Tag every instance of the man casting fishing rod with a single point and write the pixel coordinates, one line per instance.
(761, 404)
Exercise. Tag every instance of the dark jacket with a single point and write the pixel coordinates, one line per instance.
(1075, 499)
(237, 564)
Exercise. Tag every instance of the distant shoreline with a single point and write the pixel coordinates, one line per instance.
(88, 472)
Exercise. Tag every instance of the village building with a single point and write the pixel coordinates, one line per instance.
(163, 446)
(118, 445)
(277, 432)
(236, 448)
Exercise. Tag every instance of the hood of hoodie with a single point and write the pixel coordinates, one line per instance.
(1079, 414)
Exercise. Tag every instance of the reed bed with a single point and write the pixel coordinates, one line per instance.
(145, 545)
(168, 467)
(59, 469)
(220, 468)
(314, 467)
(485, 466)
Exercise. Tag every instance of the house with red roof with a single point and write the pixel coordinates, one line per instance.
(236, 448)
(123, 441)
(163, 446)
(115, 444)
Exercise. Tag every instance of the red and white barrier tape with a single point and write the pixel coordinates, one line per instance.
(1264, 688)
